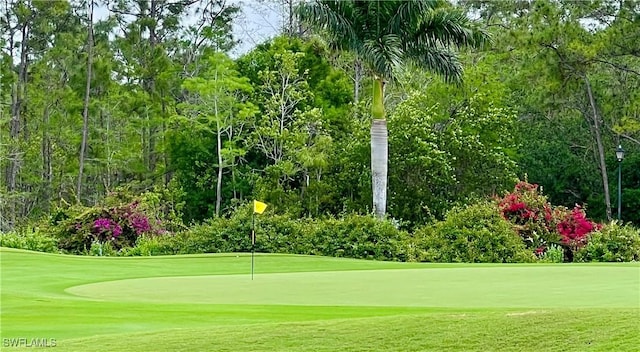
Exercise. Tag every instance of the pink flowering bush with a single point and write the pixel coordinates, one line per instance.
(119, 225)
(531, 216)
(106, 227)
(540, 225)
(574, 229)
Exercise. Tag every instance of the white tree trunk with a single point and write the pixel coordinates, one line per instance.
(379, 164)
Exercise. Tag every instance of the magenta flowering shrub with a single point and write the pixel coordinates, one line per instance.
(531, 216)
(140, 223)
(104, 226)
(574, 228)
(120, 225)
(540, 225)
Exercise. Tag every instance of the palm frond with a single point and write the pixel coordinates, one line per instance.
(408, 13)
(447, 27)
(383, 55)
(439, 61)
(331, 17)
(384, 34)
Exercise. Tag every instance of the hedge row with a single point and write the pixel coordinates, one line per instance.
(361, 237)
(476, 233)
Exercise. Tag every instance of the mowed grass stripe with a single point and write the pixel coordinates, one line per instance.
(465, 287)
(565, 330)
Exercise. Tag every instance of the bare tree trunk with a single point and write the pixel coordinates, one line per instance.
(47, 171)
(105, 124)
(220, 166)
(357, 79)
(601, 155)
(219, 152)
(165, 157)
(85, 111)
(17, 125)
(154, 12)
(291, 30)
(379, 150)
(14, 133)
(232, 163)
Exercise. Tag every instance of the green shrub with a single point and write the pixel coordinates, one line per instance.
(474, 234)
(33, 240)
(612, 243)
(281, 234)
(154, 245)
(213, 236)
(354, 236)
(102, 249)
(553, 254)
(360, 237)
(78, 227)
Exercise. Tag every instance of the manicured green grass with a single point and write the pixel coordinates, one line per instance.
(300, 303)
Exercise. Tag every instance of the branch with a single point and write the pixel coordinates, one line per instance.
(627, 51)
(617, 66)
(630, 138)
(626, 136)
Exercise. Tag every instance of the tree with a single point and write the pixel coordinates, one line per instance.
(385, 36)
(31, 31)
(439, 160)
(149, 33)
(581, 65)
(303, 101)
(290, 134)
(87, 92)
(218, 104)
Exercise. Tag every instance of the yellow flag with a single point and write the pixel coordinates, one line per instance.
(259, 207)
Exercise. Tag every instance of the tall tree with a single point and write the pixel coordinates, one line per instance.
(572, 53)
(385, 36)
(30, 30)
(149, 32)
(87, 92)
(17, 25)
(217, 103)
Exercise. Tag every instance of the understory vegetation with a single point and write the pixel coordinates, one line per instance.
(521, 226)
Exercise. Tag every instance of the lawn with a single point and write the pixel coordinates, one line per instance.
(302, 303)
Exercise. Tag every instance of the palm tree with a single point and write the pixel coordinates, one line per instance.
(385, 35)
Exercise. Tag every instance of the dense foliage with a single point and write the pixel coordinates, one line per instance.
(541, 225)
(474, 234)
(488, 231)
(612, 243)
(151, 102)
(353, 236)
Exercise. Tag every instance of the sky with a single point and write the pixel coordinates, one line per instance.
(259, 21)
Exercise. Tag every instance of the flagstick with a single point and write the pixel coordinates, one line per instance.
(253, 240)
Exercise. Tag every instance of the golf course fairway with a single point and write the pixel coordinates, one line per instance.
(306, 303)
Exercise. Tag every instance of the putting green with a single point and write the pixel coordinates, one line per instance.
(304, 303)
(512, 286)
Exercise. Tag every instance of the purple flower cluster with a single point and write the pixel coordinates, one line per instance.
(102, 224)
(140, 223)
(117, 230)
(106, 225)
